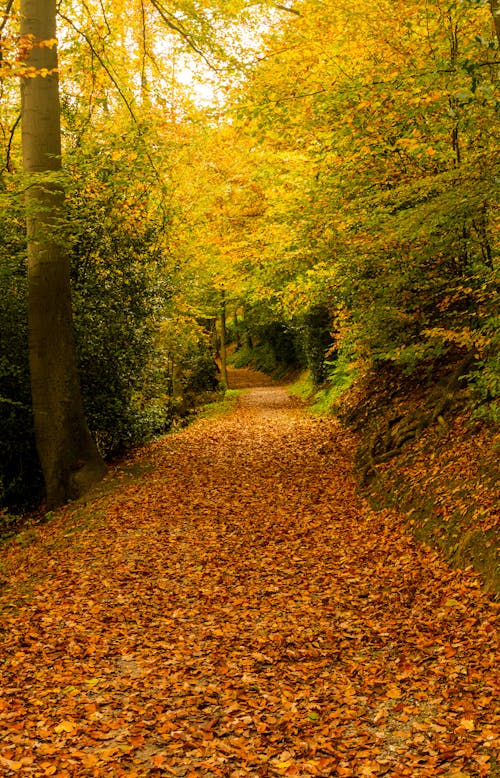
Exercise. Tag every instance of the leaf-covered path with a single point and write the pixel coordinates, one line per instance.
(237, 610)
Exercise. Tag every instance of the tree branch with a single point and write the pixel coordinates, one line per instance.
(6, 14)
(6, 166)
(115, 84)
(102, 63)
(177, 27)
(286, 8)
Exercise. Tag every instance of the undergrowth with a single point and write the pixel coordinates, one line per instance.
(323, 399)
(261, 358)
(222, 405)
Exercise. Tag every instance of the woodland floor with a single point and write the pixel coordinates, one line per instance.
(227, 605)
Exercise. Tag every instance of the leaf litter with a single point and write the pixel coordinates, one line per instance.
(239, 611)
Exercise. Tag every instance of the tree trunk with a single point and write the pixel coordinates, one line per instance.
(178, 389)
(237, 329)
(223, 351)
(495, 10)
(69, 457)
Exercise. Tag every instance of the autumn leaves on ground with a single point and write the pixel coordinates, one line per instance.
(231, 607)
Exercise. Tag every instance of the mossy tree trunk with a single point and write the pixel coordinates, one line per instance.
(69, 457)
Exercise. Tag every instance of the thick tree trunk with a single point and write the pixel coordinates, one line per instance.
(69, 457)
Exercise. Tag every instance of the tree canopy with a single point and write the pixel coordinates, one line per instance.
(326, 173)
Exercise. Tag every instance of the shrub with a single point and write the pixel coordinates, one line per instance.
(20, 475)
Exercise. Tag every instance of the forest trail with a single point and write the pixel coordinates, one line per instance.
(237, 610)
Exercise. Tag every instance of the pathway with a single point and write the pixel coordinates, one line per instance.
(239, 611)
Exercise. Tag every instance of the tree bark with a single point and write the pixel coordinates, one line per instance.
(237, 329)
(495, 10)
(223, 349)
(69, 457)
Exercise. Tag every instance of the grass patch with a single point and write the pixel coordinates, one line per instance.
(323, 400)
(319, 400)
(341, 375)
(302, 387)
(226, 404)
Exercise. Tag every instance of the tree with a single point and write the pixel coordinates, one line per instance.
(392, 218)
(495, 10)
(68, 455)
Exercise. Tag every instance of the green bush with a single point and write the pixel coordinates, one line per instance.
(269, 343)
(317, 340)
(485, 376)
(20, 475)
(199, 370)
(119, 290)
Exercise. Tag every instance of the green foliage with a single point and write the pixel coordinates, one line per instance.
(199, 370)
(119, 291)
(20, 476)
(120, 285)
(340, 374)
(260, 357)
(423, 284)
(485, 378)
(224, 403)
(303, 386)
(395, 221)
(270, 345)
(317, 340)
(271, 340)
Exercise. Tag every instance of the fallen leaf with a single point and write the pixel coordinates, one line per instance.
(65, 726)
(10, 764)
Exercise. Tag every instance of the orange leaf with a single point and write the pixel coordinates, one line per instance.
(10, 764)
